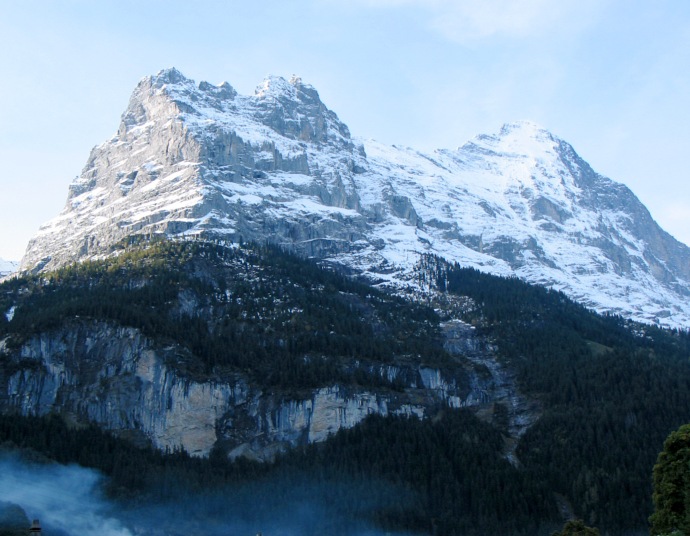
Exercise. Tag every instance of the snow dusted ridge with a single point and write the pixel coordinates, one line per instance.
(280, 166)
(8, 267)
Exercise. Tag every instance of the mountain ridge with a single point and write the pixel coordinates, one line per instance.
(279, 166)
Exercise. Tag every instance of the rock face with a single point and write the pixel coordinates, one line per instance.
(100, 372)
(279, 166)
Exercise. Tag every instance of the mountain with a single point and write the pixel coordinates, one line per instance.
(255, 285)
(192, 345)
(7, 267)
(485, 408)
(278, 166)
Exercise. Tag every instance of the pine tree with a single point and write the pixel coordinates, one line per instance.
(671, 478)
(577, 527)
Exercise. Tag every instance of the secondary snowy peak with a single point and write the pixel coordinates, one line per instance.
(521, 137)
(279, 166)
(524, 203)
(8, 267)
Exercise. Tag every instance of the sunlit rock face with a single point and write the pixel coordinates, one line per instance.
(280, 166)
(98, 372)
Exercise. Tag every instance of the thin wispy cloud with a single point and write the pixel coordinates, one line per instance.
(466, 21)
(64, 498)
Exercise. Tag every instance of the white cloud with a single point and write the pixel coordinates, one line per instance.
(469, 20)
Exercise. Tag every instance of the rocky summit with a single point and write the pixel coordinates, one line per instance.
(279, 166)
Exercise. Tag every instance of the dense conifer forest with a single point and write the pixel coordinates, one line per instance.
(287, 322)
(399, 474)
(610, 391)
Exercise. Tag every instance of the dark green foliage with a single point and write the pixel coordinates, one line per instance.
(454, 465)
(577, 527)
(445, 475)
(13, 520)
(671, 478)
(611, 391)
(257, 310)
(135, 473)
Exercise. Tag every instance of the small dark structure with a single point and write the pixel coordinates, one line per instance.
(35, 529)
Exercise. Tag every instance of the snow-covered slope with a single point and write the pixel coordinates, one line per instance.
(8, 267)
(280, 166)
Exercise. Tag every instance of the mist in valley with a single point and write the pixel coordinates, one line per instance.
(70, 501)
(66, 499)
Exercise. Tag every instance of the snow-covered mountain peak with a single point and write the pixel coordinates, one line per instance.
(295, 111)
(280, 166)
(524, 129)
(275, 86)
(279, 87)
(291, 109)
(167, 76)
(172, 83)
(171, 87)
(7, 267)
(520, 138)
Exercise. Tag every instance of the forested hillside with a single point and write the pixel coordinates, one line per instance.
(609, 390)
(286, 322)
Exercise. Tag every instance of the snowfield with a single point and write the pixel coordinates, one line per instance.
(279, 166)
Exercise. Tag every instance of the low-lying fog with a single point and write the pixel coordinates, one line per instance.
(69, 501)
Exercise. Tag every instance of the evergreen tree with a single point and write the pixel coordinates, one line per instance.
(671, 479)
(577, 527)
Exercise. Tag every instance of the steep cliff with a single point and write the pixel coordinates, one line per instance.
(99, 372)
(95, 354)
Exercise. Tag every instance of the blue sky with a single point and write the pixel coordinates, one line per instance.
(612, 77)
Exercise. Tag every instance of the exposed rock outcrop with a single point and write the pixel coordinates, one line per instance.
(95, 371)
